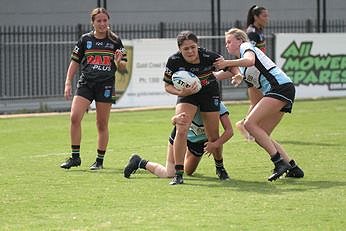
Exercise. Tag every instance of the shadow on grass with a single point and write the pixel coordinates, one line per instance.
(279, 186)
(105, 170)
(297, 142)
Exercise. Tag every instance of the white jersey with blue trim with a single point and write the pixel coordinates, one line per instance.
(264, 75)
(196, 131)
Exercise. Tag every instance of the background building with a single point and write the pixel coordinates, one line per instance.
(36, 37)
(70, 12)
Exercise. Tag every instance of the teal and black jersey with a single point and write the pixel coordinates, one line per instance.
(96, 56)
(196, 131)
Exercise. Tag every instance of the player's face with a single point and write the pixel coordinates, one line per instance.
(232, 45)
(189, 50)
(262, 19)
(101, 23)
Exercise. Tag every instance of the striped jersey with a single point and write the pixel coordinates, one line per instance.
(96, 56)
(203, 70)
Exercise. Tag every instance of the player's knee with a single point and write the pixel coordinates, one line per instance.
(249, 125)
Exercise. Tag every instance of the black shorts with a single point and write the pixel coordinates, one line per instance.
(98, 91)
(196, 148)
(207, 99)
(286, 93)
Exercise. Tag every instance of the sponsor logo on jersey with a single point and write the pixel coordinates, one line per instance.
(89, 44)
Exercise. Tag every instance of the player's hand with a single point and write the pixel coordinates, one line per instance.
(220, 64)
(237, 79)
(68, 91)
(190, 90)
(210, 148)
(181, 119)
(118, 55)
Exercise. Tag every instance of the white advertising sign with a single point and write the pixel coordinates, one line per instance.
(143, 84)
(316, 62)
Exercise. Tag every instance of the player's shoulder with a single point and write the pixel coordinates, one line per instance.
(251, 29)
(88, 35)
(176, 57)
(205, 53)
(247, 46)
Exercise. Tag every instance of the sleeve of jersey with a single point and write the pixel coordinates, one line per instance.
(78, 51)
(244, 48)
(253, 37)
(167, 77)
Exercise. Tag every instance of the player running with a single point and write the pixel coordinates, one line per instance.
(278, 97)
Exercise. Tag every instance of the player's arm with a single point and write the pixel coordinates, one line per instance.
(120, 60)
(180, 119)
(228, 130)
(71, 71)
(228, 74)
(247, 61)
(211, 147)
(183, 92)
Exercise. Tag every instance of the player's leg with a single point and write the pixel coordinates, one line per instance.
(255, 96)
(295, 170)
(220, 168)
(78, 109)
(193, 156)
(180, 140)
(267, 111)
(102, 118)
(136, 162)
(211, 124)
(160, 170)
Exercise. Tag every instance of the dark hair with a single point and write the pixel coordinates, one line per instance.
(110, 34)
(254, 10)
(186, 35)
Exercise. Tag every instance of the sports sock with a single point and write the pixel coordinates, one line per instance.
(293, 163)
(179, 169)
(143, 163)
(75, 151)
(100, 156)
(276, 158)
(218, 163)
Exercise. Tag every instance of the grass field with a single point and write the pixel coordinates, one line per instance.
(37, 195)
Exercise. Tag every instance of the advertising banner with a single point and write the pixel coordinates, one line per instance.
(316, 62)
(142, 84)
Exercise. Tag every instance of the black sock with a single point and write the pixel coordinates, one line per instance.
(276, 158)
(218, 163)
(293, 163)
(75, 151)
(143, 163)
(179, 169)
(100, 156)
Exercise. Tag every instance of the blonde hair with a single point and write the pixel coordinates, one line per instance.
(238, 34)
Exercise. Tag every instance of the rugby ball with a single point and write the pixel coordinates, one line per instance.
(182, 79)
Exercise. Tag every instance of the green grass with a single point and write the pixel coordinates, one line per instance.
(37, 195)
